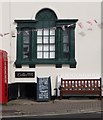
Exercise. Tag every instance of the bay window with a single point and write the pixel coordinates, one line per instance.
(46, 40)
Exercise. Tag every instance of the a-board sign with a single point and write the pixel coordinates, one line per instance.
(24, 74)
(43, 89)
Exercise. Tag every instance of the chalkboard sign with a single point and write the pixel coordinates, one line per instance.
(43, 89)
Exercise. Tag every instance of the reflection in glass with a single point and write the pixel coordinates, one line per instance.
(25, 33)
(26, 44)
(65, 36)
(65, 48)
(26, 47)
(25, 56)
(26, 39)
(65, 44)
(65, 39)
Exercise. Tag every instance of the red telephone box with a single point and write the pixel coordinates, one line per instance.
(3, 77)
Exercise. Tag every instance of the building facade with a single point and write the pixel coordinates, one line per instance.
(50, 39)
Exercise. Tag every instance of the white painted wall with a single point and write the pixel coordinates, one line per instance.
(88, 47)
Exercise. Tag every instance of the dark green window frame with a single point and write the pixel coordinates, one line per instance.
(64, 40)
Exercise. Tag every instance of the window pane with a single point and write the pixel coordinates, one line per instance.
(26, 47)
(52, 31)
(39, 47)
(46, 48)
(39, 32)
(65, 48)
(39, 54)
(52, 39)
(46, 55)
(46, 31)
(25, 39)
(52, 54)
(25, 56)
(26, 44)
(25, 33)
(65, 39)
(45, 39)
(52, 47)
(39, 39)
(66, 56)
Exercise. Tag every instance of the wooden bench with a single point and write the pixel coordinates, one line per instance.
(80, 87)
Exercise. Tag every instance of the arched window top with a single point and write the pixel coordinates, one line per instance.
(45, 18)
(46, 14)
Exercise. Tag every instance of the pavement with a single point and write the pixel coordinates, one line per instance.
(30, 107)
